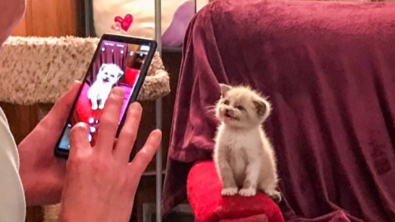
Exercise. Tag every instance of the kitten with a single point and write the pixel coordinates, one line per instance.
(107, 77)
(243, 154)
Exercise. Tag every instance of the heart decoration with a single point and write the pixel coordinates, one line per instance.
(125, 22)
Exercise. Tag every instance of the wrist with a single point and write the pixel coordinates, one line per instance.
(39, 190)
(30, 187)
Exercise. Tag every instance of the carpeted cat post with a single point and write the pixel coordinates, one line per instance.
(204, 195)
(40, 70)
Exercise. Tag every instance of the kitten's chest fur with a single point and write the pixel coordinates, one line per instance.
(239, 148)
(237, 152)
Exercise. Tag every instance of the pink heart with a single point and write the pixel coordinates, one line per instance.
(125, 22)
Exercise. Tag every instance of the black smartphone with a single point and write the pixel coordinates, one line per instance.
(121, 61)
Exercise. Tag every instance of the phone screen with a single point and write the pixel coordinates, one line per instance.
(115, 64)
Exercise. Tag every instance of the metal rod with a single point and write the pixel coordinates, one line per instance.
(158, 24)
(158, 104)
(88, 17)
(158, 112)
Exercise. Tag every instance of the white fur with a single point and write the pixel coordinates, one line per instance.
(243, 154)
(107, 77)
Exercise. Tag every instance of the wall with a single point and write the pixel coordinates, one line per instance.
(51, 18)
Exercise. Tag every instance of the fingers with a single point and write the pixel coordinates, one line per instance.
(109, 121)
(128, 134)
(79, 138)
(59, 113)
(144, 156)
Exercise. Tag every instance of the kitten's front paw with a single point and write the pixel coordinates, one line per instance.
(247, 192)
(101, 106)
(229, 191)
(275, 196)
(94, 107)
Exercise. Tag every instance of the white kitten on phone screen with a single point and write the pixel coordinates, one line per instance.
(243, 154)
(107, 77)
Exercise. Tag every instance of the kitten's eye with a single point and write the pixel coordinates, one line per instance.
(226, 102)
(240, 107)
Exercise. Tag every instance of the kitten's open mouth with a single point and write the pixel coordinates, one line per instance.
(227, 115)
(106, 80)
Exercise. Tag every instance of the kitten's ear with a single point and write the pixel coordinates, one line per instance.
(103, 66)
(224, 89)
(262, 107)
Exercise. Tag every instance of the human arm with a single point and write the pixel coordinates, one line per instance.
(11, 13)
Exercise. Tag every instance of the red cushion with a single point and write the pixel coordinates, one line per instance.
(131, 76)
(204, 195)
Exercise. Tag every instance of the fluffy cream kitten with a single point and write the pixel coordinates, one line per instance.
(243, 154)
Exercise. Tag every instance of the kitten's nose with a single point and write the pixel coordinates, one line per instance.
(229, 111)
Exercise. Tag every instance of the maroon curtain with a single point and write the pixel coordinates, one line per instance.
(329, 70)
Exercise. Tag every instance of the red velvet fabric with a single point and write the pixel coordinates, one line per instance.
(204, 195)
(329, 70)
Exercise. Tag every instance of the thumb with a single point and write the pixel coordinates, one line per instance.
(60, 111)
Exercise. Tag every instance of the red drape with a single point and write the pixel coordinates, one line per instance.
(329, 70)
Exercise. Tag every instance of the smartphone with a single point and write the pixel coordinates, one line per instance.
(119, 61)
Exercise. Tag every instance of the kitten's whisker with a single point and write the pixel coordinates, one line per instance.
(210, 109)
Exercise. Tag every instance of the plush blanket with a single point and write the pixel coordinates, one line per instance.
(329, 70)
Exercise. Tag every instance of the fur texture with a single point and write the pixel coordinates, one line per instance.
(243, 154)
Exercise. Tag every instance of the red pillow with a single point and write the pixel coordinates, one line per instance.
(131, 76)
(204, 195)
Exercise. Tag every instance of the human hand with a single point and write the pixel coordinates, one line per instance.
(41, 172)
(100, 183)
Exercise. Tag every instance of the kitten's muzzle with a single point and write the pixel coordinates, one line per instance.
(230, 114)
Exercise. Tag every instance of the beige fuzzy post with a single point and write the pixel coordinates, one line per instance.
(39, 70)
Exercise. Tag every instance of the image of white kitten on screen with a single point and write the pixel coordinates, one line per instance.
(107, 77)
(243, 155)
